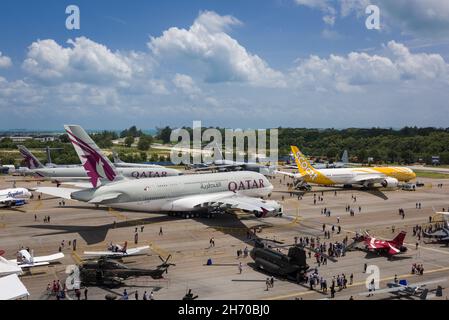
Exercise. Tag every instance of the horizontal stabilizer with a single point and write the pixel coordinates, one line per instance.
(109, 196)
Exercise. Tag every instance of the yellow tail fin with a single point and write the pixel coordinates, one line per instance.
(304, 166)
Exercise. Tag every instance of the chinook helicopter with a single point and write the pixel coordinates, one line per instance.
(292, 265)
(110, 272)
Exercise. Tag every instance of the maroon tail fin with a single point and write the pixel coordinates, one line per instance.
(399, 239)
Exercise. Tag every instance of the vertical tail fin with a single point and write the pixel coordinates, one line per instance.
(399, 239)
(116, 157)
(30, 160)
(345, 157)
(218, 154)
(304, 166)
(97, 166)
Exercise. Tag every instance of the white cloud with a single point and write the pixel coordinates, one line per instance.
(5, 61)
(359, 70)
(84, 60)
(417, 17)
(185, 83)
(206, 48)
(330, 20)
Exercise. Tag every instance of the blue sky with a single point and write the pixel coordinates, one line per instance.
(301, 63)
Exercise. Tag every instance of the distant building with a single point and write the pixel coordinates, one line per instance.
(45, 138)
(18, 139)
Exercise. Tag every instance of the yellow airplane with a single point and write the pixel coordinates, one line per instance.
(388, 177)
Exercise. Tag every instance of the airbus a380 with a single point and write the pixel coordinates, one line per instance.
(187, 193)
(77, 173)
(386, 176)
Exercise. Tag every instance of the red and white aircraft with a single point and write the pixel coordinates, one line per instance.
(390, 247)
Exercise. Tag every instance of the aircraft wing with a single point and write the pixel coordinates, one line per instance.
(129, 252)
(386, 290)
(11, 288)
(372, 178)
(50, 258)
(229, 200)
(218, 167)
(290, 174)
(57, 192)
(393, 250)
(30, 265)
(7, 267)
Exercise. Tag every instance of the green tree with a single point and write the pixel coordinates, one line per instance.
(129, 140)
(164, 134)
(144, 143)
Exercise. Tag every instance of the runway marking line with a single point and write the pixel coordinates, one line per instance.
(355, 284)
(158, 250)
(76, 257)
(117, 214)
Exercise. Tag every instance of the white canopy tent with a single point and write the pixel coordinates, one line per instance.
(11, 288)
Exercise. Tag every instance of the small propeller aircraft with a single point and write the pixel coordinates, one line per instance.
(116, 250)
(26, 259)
(379, 246)
(403, 289)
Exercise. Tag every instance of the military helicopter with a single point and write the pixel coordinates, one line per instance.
(110, 272)
(292, 265)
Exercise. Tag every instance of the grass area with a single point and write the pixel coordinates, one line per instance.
(430, 174)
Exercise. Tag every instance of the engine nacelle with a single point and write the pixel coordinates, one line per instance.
(390, 182)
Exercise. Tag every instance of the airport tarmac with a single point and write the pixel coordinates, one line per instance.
(187, 240)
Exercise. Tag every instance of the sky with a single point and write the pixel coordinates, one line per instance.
(228, 63)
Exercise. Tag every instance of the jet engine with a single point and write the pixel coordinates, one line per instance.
(390, 182)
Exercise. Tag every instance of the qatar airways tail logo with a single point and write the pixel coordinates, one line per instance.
(94, 164)
(29, 160)
(246, 185)
(305, 166)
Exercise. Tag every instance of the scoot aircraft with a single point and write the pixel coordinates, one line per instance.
(77, 173)
(218, 192)
(388, 177)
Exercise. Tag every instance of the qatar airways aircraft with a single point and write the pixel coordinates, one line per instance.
(76, 173)
(221, 192)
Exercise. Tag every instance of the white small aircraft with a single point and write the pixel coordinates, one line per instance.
(14, 197)
(26, 259)
(403, 288)
(117, 251)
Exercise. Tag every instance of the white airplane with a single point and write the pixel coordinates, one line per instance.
(388, 177)
(26, 259)
(11, 288)
(220, 164)
(116, 250)
(77, 173)
(118, 163)
(402, 287)
(221, 192)
(14, 197)
(8, 268)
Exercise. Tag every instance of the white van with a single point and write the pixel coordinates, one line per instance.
(409, 187)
